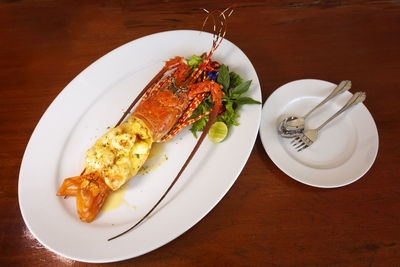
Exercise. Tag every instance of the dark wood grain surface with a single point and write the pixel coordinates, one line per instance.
(266, 218)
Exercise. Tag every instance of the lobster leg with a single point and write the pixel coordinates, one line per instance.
(193, 105)
(207, 86)
(197, 93)
(182, 125)
(183, 121)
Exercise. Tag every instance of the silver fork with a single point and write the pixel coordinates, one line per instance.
(308, 137)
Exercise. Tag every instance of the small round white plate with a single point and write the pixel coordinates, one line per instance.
(346, 148)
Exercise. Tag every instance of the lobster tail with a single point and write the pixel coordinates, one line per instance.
(90, 191)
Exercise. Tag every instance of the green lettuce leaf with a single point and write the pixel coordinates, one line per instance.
(224, 78)
(241, 89)
(229, 116)
(246, 100)
(235, 79)
(194, 61)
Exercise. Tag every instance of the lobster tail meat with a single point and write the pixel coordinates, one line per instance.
(120, 153)
(110, 163)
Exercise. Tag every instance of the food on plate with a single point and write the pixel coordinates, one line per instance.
(195, 91)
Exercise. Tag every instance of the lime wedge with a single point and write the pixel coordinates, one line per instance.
(218, 132)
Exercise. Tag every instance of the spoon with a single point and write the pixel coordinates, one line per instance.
(292, 126)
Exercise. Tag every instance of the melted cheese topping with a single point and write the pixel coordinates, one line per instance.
(120, 153)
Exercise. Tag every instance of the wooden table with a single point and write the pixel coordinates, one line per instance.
(266, 218)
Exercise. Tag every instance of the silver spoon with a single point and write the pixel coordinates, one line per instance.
(292, 126)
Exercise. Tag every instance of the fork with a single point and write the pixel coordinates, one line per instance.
(308, 137)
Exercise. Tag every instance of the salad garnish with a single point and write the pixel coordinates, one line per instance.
(232, 100)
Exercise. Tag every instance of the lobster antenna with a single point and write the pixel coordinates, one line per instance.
(219, 32)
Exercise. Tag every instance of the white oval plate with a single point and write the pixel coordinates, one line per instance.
(346, 148)
(81, 113)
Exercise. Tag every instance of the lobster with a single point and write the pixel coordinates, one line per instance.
(165, 108)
